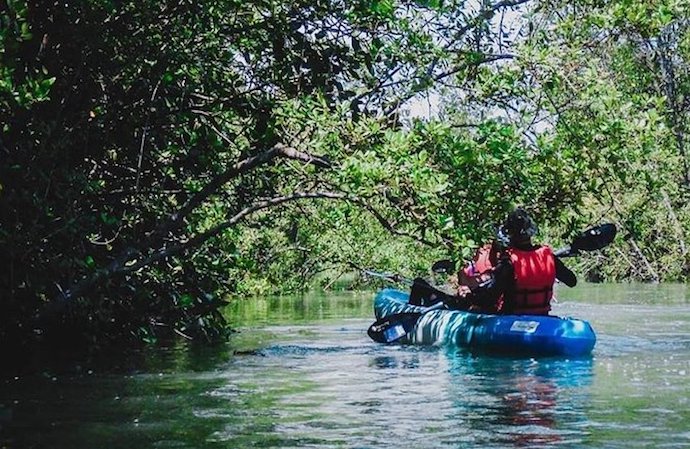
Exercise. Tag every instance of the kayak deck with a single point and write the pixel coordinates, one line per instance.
(510, 334)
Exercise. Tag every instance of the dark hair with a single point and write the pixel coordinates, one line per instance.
(519, 225)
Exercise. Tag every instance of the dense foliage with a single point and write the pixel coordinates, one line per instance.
(617, 76)
(156, 155)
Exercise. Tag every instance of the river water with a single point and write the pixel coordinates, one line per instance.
(303, 373)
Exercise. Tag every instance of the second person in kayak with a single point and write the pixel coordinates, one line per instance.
(512, 275)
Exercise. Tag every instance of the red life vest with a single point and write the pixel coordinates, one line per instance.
(480, 270)
(535, 274)
(482, 263)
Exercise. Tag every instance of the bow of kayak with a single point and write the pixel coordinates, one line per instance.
(535, 335)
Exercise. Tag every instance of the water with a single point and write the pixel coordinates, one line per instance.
(303, 373)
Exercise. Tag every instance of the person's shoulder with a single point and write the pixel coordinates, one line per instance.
(528, 247)
(546, 249)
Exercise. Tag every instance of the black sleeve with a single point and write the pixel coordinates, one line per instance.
(487, 293)
(504, 274)
(564, 274)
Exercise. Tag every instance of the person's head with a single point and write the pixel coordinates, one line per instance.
(519, 227)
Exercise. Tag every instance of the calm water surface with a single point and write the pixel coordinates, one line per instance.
(303, 373)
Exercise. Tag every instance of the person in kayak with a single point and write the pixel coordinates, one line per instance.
(512, 275)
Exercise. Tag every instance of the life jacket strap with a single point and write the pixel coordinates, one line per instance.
(522, 298)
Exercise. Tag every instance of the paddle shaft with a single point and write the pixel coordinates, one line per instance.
(389, 277)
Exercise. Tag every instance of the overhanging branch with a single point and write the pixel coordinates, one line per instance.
(118, 264)
(205, 236)
(241, 167)
(388, 225)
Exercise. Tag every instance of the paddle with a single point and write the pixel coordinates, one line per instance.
(439, 267)
(392, 328)
(590, 240)
(391, 277)
(443, 266)
(422, 293)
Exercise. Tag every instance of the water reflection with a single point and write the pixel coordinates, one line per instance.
(521, 402)
(388, 362)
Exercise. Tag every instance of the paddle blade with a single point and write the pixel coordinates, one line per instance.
(393, 327)
(443, 266)
(595, 238)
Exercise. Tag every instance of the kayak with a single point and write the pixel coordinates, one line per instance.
(538, 335)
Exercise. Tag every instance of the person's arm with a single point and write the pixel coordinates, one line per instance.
(564, 274)
(488, 292)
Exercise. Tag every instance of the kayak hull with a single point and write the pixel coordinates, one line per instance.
(533, 335)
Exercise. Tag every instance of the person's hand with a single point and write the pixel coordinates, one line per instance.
(464, 279)
(463, 291)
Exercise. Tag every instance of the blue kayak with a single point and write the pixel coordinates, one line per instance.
(510, 334)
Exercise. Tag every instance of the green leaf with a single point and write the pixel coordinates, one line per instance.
(433, 4)
(168, 78)
(107, 219)
(186, 300)
(384, 8)
(25, 31)
(43, 88)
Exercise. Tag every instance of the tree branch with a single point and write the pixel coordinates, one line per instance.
(486, 14)
(118, 265)
(388, 225)
(395, 103)
(199, 239)
(485, 59)
(241, 167)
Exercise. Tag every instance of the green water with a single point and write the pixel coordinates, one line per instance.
(303, 373)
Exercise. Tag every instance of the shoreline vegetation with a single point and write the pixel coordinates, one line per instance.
(156, 157)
